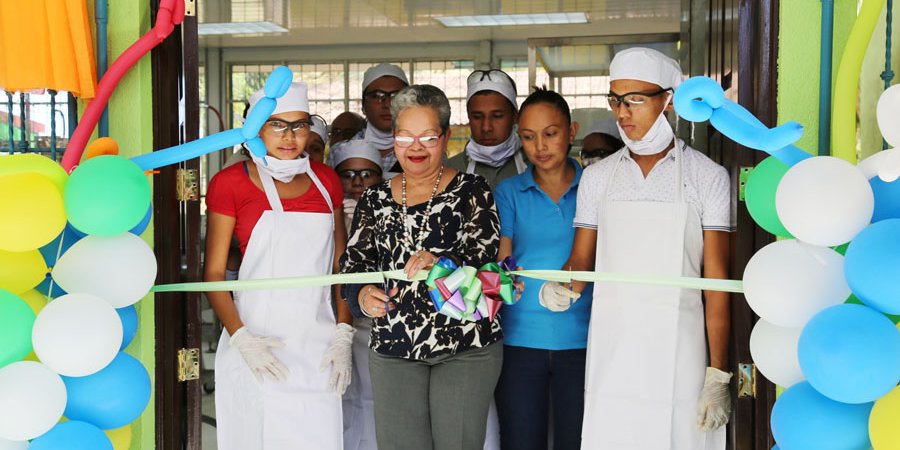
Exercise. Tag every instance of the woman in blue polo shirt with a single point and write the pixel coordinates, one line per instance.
(544, 338)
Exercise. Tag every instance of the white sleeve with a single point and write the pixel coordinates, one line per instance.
(588, 202)
(716, 200)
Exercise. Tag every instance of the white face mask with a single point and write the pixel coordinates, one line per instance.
(382, 140)
(657, 138)
(496, 155)
(280, 169)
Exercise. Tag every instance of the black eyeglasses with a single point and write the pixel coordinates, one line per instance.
(380, 96)
(280, 127)
(365, 174)
(343, 131)
(489, 74)
(632, 98)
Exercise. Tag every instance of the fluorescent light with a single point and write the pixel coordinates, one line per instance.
(501, 20)
(213, 29)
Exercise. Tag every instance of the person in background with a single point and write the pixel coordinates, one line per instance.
(345, 127)
(433, 376)
(358, 165)
(600, 141)
(315, 146)
(380, 84)
(281, 351)
(493, 150)
(543, 351)
(657, 366)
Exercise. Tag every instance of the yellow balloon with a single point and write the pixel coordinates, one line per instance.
(32, 162)
(35, 300)
(31, 212)
(883, 429)
(120, 437)
(21, 271)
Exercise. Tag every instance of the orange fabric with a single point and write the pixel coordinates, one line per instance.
(46, 44)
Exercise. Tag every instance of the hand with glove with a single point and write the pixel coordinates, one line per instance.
(714, 406)
(556, 297)
(340, 357)
(257, 353)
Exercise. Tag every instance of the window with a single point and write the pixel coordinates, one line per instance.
(518, 71)
(34, 122)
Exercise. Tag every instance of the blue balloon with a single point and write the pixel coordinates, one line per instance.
(49, 288)
(278, 82)
(804, 419)
(62, 243)
(140, 227)
(872, 266)
(887, 199)
(112, 397)
(186, 151)
(257, 148)
(129, 317)
(258, 116)
(850, 353)
(72, 435)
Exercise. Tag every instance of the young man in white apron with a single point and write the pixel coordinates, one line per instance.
(655, 207)
(281, 364)
(493, 150)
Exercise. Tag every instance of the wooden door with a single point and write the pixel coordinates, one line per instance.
(177, 235)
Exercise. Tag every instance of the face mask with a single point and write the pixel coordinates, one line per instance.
(282, 170)
(497, 155)
(382, 140)
(657, 139)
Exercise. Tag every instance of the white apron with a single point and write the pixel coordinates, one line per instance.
(359, 403)
(646, 344)
(298, 413)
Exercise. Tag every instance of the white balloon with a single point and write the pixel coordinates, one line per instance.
(76, 335)
(824, 201)
(787, 282)
(13, 445)
(32, 400)
(120, 269)
(884, 164)
(774, 350)
(888, 113)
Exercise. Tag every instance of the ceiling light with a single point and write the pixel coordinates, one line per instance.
(502, 20)
(214, 29)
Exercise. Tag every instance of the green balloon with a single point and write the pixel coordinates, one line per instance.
(854, 300)
(16, 321)
(107, 195)
(759, 194)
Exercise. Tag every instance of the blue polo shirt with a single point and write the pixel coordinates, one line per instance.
(542, 234)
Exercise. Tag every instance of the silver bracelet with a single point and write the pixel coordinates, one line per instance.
(362, 303)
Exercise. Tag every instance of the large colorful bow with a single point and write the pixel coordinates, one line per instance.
(467, 294)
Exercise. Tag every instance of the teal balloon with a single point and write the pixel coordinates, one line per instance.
(107, 195)
(759, 194)
(72, 435)
(16, 322)
(111, 398)
(804, 419)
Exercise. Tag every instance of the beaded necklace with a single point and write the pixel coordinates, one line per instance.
(416, 245)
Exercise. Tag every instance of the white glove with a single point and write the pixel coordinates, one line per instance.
(556, 297)
(340, 357)
(257, 354)
(714, 406)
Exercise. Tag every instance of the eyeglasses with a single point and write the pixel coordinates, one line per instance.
(490, 74)
(426, 141)
(365, 174)
(380, 96)
(343, 131)
(599, 152)
(280, 127)
(632, 98)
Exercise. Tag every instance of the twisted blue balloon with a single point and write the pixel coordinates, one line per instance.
(701, 98)
(277, 84)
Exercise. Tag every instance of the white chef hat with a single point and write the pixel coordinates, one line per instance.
(383, 70)
(295, 99)
(354, 148)
(319, 127)
(492, 80)
(605, 126)
(648, 65)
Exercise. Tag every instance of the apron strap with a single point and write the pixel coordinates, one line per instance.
(321, 187)
(272, 193)
(520, 162)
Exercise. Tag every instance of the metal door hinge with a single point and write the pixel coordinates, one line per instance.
(746, 380)
(186, 185)
(188, 364)
(742, 181)
(190, 8)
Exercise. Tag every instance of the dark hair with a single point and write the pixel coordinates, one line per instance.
(512, 107)
(544, 95)
(612, 141)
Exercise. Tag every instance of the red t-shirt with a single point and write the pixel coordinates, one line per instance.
(231, 193)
